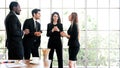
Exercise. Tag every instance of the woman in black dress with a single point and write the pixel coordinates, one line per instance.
(54, 28)
(73, 36)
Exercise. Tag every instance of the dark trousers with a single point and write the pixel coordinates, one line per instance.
(15, 52)
(59, 56)
(31, 49)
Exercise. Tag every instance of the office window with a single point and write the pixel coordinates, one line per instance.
(99, 26)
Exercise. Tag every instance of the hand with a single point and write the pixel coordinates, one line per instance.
(63, 34)
(26, 31)
(37, 33)
(56, 28)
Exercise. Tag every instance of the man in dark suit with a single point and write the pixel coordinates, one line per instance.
(14, 33)
(31, 41)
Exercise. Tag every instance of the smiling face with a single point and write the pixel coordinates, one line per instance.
(17, 9)
(55, 17)
(37, 15)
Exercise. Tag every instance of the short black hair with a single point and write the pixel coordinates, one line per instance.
(35, 11)
(13, 4)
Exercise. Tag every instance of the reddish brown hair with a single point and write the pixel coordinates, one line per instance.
(74, 17)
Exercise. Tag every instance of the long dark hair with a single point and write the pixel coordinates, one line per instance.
(59, 20)
(74, 17)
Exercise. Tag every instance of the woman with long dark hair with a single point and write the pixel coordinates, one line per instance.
(54, 28)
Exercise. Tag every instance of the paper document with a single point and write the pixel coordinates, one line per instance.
(15, 64)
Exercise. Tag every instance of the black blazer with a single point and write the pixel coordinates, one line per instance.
(54, 37)
(13, 30)
(30, 38)
(73, 32)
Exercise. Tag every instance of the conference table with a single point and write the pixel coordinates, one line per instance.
(44, 62)
(23, 64)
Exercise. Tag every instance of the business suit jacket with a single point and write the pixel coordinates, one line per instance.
(73, 32)
(55, 43)
(54, 37)
(29, 24)
(14, 36)
(30, 39)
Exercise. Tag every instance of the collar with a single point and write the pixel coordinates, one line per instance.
(34, 19)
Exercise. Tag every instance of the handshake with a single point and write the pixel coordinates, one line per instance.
(63, 34)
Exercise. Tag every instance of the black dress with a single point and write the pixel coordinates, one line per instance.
(73, 42)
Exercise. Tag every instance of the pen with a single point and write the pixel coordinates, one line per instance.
(8, 62)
